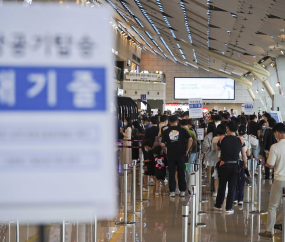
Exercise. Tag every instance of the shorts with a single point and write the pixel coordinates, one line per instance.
(160, 177)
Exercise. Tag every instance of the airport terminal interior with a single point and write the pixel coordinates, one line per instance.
(142, 120)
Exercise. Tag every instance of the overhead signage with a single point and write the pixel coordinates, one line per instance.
(248, 108)
(56, 88)
(195, 108)
(144, 97)
(143, 76)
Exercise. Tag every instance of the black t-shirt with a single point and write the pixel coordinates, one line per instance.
(151, 133)
(269, 138)
(163, 128)
(160, 163)
(174, 137)
(253, 127)
(230, 147)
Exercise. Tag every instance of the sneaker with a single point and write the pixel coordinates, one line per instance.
(265, 235)
(177, 192)
(214, 194)
(172, 194)
(216, 208)
(182, 194)
(152, 183)
(235, 201)
(157, 194)
(240, 203)
(145, 190)
(230, 211)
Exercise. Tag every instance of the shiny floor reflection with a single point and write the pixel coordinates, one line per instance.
(160, 221)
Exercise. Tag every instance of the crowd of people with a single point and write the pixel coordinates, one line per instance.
(230, 142)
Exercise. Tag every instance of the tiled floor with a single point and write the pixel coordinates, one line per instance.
(160, 221)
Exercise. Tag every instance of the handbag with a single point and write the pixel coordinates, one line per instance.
(253, 141)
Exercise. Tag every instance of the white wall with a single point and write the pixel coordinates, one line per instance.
(151, 89)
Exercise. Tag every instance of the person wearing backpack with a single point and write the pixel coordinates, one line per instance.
(230, 147)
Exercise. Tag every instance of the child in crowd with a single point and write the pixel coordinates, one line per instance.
(160, 163)
(149, 171)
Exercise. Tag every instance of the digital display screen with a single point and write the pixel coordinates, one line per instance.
(204, 87)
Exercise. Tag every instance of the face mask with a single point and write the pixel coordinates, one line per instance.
(146, 149)
(125, 123)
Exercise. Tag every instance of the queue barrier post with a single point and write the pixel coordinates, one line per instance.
(95, 228)
(283, 215)
(193, 215)
(134, 163)
(253, 180)
(198, 192)
(201, 184)
(247, 188)
(259, 211)
(125, 222)
(197, 202)
(185, 214)
(141, 199)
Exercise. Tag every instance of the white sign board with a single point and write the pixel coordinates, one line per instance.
(200, 134)
(56, 90)
(143, 76)
(216, 108)
(195, 108)
(248, 108)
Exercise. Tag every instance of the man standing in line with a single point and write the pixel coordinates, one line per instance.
(230, 147)
(276, 159)
(174, 138)
(254, 129)
(217, 119)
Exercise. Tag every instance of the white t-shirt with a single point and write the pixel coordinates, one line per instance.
(277, 159)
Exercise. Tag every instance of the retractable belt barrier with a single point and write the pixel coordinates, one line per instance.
(185, 218)
(126, 168)
(259, 177)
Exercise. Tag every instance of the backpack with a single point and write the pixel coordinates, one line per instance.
(253, 141)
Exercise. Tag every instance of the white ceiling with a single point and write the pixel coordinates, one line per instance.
(245, 30)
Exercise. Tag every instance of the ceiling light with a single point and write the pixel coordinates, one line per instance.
(277, 84)
(282, 52)
(272, 64)
(256, 91)
(262, 89)
(263, 66)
